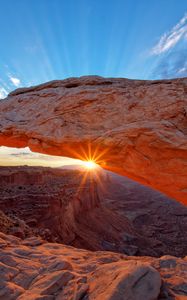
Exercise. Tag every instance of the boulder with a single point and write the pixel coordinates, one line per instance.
(54, 271)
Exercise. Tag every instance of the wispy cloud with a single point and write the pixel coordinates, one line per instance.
(171, 38)
(170, 53)
(172, 65)
(3, 93)
(183, 70)
(23, 156)
(15, 81)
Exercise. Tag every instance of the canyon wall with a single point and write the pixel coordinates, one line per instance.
(48, 200)
(133, 127)
(91, 210)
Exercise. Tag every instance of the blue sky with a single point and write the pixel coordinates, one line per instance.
(42, 40)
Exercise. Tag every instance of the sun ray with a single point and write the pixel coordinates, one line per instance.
(90, 164)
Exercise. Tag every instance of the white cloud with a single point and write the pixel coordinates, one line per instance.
(15, 81)
(3, 93)
(170, 39)
(23, 156)
(182, 70)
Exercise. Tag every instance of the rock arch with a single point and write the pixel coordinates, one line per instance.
(133, 127)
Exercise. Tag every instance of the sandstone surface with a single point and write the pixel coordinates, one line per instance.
(133, 127)
(33, 269)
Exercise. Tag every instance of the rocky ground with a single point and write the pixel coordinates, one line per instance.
(44, 212)
(32, 269)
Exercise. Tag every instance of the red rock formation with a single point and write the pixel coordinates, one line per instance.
(137, 128)
(34, 269)
(108, 212)
(13, 225)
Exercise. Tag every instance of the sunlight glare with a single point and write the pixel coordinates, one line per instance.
(90, 164)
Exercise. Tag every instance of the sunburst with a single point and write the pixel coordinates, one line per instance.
(93, 158)
(90, 164)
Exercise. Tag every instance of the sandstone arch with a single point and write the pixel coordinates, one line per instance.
(139, 127)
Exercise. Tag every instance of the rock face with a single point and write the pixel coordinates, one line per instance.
(135, 128)
(34, 269)
(15, 226)
(107, 212)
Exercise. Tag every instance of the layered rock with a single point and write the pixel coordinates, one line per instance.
(100, 211)
(135, 128)
(15, 226)
(34, 269)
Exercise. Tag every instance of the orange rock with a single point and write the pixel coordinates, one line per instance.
(133, 127)
(128, 281)
(54, 271)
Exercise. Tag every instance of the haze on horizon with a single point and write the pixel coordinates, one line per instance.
(23, 156)
(46, 40)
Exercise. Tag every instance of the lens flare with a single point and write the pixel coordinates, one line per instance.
(90, 164)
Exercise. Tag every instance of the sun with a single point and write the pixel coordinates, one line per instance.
(90, 164)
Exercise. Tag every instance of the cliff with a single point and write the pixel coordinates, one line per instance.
(95, 210)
